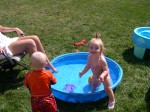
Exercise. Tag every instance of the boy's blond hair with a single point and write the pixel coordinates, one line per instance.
(38, 60)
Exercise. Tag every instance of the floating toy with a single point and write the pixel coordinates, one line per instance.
(69, 66)
(90, 80)
(69, 88)
(141, 39)
(80, 43)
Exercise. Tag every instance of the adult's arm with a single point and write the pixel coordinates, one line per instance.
(11, 29)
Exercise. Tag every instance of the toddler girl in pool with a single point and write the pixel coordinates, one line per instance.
(98, 64)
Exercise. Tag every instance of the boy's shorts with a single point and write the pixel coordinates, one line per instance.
(44, 104)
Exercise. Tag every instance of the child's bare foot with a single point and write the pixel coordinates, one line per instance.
(111, 105)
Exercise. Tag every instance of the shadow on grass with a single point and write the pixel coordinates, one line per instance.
(100, 105)
(129, 57)
(147, 100)
(9, 80)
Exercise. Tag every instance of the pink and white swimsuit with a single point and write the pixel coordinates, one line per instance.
(97, 70)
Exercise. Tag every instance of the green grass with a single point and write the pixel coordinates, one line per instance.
(60, 23)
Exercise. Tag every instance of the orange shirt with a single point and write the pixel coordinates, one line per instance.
(39, 82)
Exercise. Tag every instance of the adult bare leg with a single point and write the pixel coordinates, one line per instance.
(36, 40)
(39, 47)
(22, 46)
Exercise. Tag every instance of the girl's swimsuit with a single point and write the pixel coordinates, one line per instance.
(96, 69)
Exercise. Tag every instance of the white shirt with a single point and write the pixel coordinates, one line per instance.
(6, 41)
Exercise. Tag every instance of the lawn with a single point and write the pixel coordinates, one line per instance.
(59, 24)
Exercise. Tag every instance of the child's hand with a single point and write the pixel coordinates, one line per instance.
(101, 78)
(80, 74)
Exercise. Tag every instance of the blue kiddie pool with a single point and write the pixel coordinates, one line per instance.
(70, 87)
(141, 39)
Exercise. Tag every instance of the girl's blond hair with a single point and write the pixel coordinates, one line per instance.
(98, 40)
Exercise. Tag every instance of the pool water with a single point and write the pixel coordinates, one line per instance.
(69, 75)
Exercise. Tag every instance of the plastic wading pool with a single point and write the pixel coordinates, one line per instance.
(70, 87)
